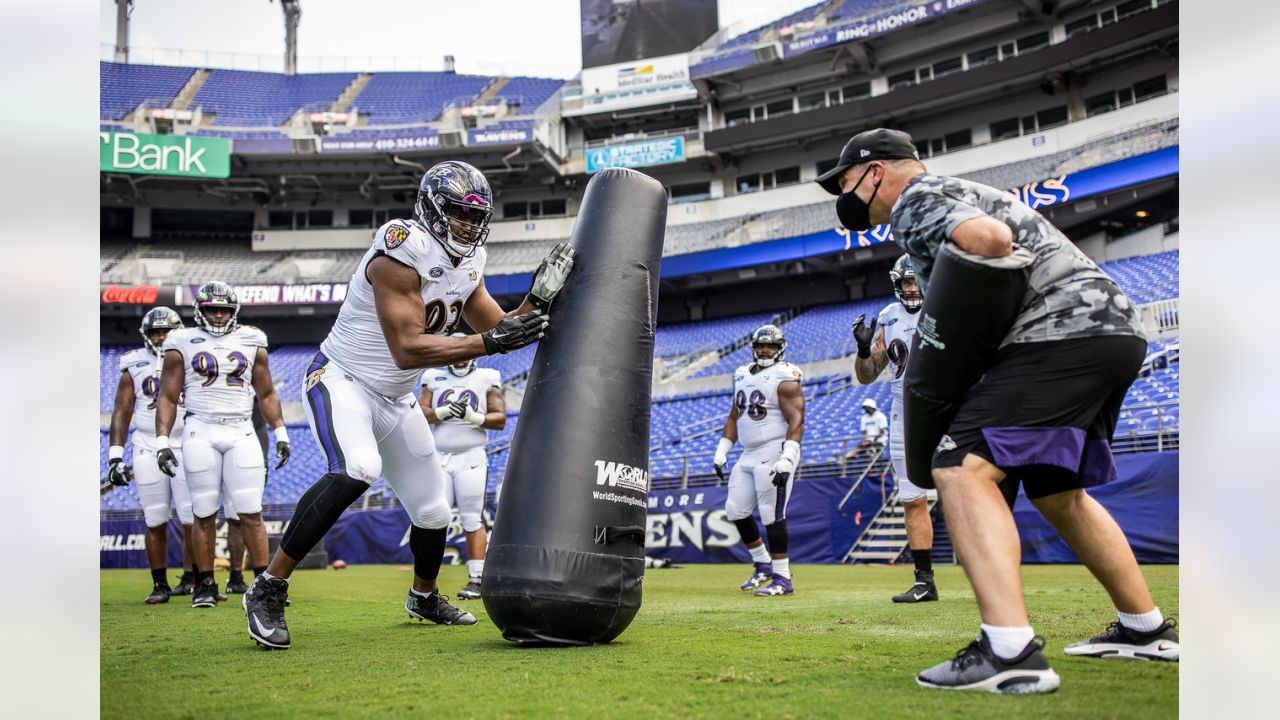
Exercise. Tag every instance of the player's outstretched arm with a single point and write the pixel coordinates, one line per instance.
(269, 404)
(483, 312)
(871, 359)
(402, 315)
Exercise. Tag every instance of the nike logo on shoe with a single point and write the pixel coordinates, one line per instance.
(919, 595)
(265, 633)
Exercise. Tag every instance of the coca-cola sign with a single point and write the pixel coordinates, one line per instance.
(136, 295)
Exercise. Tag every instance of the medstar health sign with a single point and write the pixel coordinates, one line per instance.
(183, 155)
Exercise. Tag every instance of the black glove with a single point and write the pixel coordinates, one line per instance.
(118, 473)
(514, 333)
(719, 472)
(167, 461)
(459, 409)
(282, 453)
(863, 334)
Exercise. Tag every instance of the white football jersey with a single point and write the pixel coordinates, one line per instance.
(218, 383)
(144, 367)
(356, 341)
(760, 418)
(899, 330)
(455, 434)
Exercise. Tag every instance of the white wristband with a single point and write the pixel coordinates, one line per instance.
(115, 452)
(475, 417)
(162, 442)
(791, 451)
(282, 435)
(723, 448)
(443, 413)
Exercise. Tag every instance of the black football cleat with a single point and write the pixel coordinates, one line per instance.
(471, 591)
(922, 591)
(185, 586)
(264, 609)
(436, 608)
(205, 595)
(236, 584)
(159, 594)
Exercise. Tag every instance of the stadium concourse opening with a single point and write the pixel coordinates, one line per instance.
(1071, 107)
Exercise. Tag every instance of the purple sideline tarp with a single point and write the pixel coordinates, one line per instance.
(690, 526)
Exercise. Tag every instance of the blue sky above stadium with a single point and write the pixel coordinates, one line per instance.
(482, 34)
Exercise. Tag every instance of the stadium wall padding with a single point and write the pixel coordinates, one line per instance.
(689, 526)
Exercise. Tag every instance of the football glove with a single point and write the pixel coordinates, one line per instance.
(551, 276)
(514, 333)
(282, 453)
(445, 412)
(167, 461)
(863, 334)
(786, 463)
(118, 473)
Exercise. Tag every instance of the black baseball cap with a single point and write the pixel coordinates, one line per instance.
(868, 145)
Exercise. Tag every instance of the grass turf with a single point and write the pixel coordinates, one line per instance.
(698, 648)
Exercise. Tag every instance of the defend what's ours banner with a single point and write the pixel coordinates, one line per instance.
(689, 526)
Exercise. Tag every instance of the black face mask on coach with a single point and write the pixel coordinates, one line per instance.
(855, 214)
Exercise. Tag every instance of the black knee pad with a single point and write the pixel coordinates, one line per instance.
(748, 529)
(970, 305)
(318, 509)
(777, 533)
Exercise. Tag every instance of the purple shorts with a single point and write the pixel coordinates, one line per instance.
(1044, 412)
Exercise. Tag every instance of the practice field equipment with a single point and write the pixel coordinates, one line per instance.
(566, 557)
(971, 304)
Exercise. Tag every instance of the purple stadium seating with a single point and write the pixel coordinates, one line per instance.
(123, 87)
(406, 97)
(526, 94)
(244, 97)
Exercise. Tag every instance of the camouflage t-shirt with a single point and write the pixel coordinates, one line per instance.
(1068, 296)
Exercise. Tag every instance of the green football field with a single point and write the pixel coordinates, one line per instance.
(698, 648)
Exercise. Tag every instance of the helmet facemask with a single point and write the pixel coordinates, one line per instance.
(158, 319)
(911, 299)
(216, 294)
(463, 369)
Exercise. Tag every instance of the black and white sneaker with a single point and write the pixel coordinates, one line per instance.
(436, 608)
(185, 586)
(922, 591)
(1118, 641)
(264, 608)
(159, 594)
(471, 591)
(236, 584)
(205, 595)
(976, 667)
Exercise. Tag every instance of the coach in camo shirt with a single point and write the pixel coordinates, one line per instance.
(1042, 413)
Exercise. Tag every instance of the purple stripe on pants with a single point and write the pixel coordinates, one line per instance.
(1018, 446)
(324, 426)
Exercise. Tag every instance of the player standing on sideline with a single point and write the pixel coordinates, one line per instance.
(465, 402)
(1042, 412)
(136, 402)
(893, 331)
(414, 286)
(219, 364)
(768, 414)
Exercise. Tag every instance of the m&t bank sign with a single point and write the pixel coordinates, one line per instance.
(183, 155)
